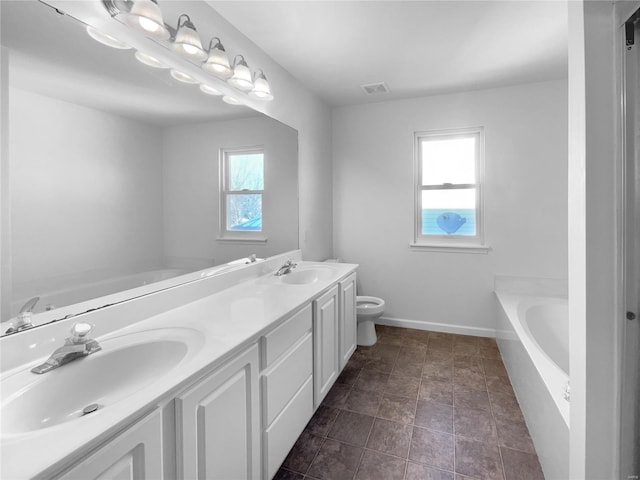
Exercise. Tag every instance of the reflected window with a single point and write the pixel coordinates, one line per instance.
(242, 191)
(448, 205)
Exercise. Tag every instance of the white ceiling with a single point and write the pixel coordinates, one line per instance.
(416, 47)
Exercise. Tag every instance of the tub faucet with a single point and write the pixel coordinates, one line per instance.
(286, 268)
(76, 346)
(23, 320)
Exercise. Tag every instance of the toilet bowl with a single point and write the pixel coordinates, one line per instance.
(367, 310)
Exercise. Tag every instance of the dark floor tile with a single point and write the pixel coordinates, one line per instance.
(436, 416)
(397, 409)
(386, 339)
(499, 384)
(436, 391)
(386, 351)
(337, 396)
(437, 371)
(407, 367)
(283, 474)
(403, 386)
(475, 424)
(352, 428)
(389, 330)
(521, 465)
(372, 380)
(432, 448)
(303, 452)
(349, 375)
(505, 404)
(438, 357)
(413, 353)
(440, 344)
(487, 342)
(489, 352)
(375, 466)
(390, 437)
(494, 367)
(469, 397)
(416, 471)
(469, 362)
(322, 420)
(478, 459)
(363, 401)
(335, 461)
(469, 377)
(513, 434)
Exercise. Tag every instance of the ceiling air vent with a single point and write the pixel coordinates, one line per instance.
(375, 88)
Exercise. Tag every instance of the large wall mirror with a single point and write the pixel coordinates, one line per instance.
(114, 170)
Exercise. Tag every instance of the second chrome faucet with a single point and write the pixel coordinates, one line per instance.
(78, 345)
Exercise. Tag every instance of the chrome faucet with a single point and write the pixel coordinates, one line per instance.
(286, 268)
(76, 346)
(23, 320)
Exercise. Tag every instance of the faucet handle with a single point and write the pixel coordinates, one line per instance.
(79, 331)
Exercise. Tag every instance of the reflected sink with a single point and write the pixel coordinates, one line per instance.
(125, 365)
(305, 275)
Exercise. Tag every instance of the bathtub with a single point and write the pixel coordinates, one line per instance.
(70, 295)
(533, 337)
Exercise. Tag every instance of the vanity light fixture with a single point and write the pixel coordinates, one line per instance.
(209, 90)
(231, 100)
(187, 41)
(146, 16)
(261, 88)
(218, 62)
(182, 77)
(106, 39)
(149, 60)
(241, 74)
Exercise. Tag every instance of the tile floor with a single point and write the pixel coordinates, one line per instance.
(417, 405)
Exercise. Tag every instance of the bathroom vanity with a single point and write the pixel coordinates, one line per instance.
(212, 379)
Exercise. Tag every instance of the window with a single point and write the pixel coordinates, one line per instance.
(242, 191)
(448, 178)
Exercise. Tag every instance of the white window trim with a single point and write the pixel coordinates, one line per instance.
(234, 236)
(449, 243)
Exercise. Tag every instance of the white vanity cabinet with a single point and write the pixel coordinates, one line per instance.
(348, 319)
(135, 454)
(287, 387)
(218, 423)
(326, 355)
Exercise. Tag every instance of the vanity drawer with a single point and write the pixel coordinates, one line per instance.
(282, 381)
(283, 433)
(282, 338)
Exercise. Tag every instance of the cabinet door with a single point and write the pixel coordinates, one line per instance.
(134, 454)
(348, 319)
(325, 343)
(218, 423)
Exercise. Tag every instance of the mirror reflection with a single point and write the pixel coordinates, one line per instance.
(117, 172)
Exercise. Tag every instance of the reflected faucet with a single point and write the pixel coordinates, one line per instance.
(76, 346)
(23, 320)
(286, 268)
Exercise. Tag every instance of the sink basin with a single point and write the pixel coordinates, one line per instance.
(306, 275)
(125, 365)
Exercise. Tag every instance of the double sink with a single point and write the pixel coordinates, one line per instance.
(126, 364)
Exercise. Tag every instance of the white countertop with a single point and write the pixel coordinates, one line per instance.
(227, 320)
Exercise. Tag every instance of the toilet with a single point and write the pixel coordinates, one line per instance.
(368, 309)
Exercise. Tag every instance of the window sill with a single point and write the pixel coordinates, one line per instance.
(460, 248)
(245, 240)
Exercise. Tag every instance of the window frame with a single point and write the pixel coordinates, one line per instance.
(239, 236)
(450, 242)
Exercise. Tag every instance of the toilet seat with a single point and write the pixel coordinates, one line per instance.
(369, 306)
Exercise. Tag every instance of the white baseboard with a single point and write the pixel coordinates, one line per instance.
(437, 327)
